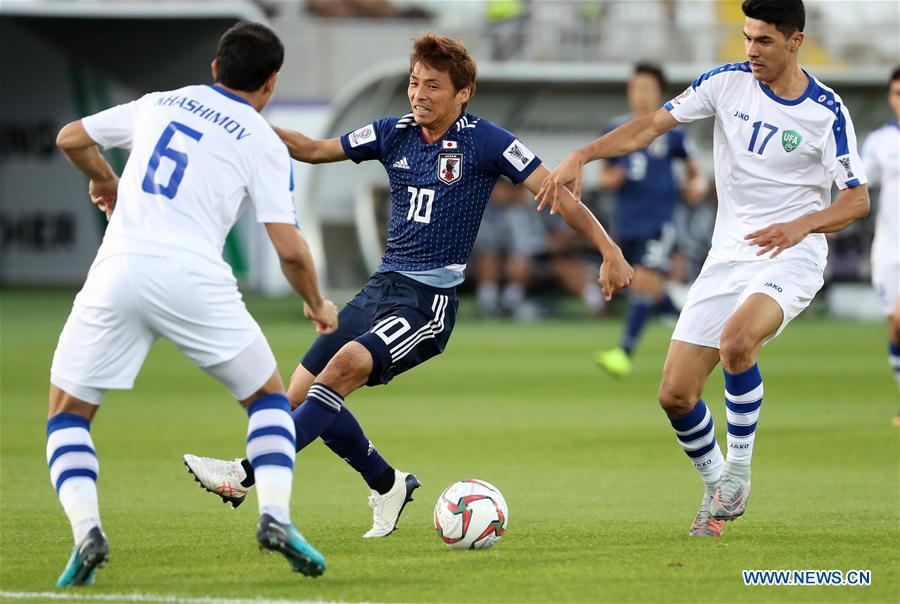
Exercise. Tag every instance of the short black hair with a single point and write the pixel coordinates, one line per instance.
(788, 16)
(896, 74)
(248, 54)
(654, 71)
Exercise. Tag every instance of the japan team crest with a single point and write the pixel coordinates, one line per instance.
(449, 167)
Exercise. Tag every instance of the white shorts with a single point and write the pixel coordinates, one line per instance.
(723, 285)
(128, 301)
(886, 279)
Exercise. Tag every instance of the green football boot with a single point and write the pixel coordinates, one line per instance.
(615, 361)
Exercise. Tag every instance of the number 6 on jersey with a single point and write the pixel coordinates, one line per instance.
(180, 158)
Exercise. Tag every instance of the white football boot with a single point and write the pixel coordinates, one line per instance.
(386, 509)
(220, 477)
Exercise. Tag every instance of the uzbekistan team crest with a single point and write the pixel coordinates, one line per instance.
(790, 140)
(449, 167)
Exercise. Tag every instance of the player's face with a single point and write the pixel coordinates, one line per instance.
(768, 49)
(644, 95)
(432, 97)
(894, 97)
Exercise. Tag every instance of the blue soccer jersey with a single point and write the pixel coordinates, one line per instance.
(439, 189)
(650, 192)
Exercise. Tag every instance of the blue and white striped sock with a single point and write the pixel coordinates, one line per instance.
(743, 398)
(696, 433)
(73, 471)
(271, 448)
(895, 360)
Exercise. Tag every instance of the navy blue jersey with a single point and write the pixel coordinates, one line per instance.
(650, 192)
(439, 189)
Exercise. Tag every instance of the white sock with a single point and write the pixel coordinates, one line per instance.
(73, 471)
(593, 298)
(743, 399)
(696, 433)
(271, 449)
(513, 294)
(488, 295)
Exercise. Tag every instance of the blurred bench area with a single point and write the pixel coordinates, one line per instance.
(552, 71)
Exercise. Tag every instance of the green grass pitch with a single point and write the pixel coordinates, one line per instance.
(600, 495)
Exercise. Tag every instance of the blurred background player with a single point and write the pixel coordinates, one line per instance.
(509, 237)
(160, 273)
(647, 192)
(442, 164)
(881, 156)
(774, 200)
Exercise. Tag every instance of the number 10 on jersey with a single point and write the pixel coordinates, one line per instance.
(420, 201)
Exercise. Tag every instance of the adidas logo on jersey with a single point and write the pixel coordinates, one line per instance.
(401, 163)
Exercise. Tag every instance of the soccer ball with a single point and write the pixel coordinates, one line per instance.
(471, 514)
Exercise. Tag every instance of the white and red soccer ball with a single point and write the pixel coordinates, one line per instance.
(471, 514)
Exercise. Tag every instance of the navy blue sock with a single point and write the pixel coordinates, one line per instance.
(638, 313)
(318, 411)
(346, 438)
(665, 306)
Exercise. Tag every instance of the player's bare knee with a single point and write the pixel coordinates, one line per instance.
(61, 401)
(675, 401)
(273, 385)
(299, 386)
(348, 369)
(737, 351)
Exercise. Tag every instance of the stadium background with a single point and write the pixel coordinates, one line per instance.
(554, 73)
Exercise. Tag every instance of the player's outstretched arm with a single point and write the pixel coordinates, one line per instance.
(631, 136)
(300, 271)
(852, 204)
(310, 150)
(615, 272)
(81, 150)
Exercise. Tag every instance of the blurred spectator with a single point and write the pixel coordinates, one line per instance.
(363, 9)
(648, 192)
(507, 21)
(510, 236)
(573, 262)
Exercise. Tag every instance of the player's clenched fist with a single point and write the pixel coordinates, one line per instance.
(324, 316)
(615, 273)
(104, 194)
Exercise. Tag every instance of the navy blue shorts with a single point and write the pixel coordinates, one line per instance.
(651, 252)
(400, 321)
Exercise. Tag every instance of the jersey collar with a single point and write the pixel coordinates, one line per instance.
(810, 87)
(229, 94)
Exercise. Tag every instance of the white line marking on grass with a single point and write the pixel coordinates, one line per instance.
(138, 597)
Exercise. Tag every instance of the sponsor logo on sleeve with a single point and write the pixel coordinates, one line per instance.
(518, 155)
(364, 135)
(844, 160)
(681, 98)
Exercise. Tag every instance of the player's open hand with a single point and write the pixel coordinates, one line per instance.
(568, 174)
(778, 237)
(325, 316)
(615, 273)
(104, 194)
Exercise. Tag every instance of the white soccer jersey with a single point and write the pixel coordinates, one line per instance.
(775, 159)
(197, 154)
(881, 157)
